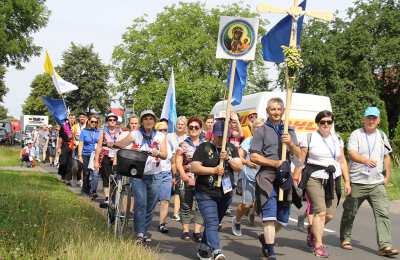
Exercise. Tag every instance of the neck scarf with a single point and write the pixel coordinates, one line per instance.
(190, 141)
(147, 139)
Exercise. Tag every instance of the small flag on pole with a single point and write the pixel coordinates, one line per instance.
(240, 81)
(56, 108)
(169, 107)
(280, 35)
(61, 85)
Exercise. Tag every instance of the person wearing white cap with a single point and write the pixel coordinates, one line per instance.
(146, 191)
(27, 154)
(370, 164)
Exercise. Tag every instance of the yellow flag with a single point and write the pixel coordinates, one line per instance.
(48, 65)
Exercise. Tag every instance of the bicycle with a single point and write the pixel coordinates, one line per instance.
(130, 164)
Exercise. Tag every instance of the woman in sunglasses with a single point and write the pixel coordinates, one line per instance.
(188, 206)
(88, 139)
(325, 164)
(104, 158)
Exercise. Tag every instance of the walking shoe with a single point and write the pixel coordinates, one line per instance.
(219, 256)
(310, 237)
(267, 250)
(163, 228)
(140, 241)
(321, 251)
(147, 238)
(185, 236)
(236, 230)
(388, 251)
(228, 212)
(176, 217)
(203, 254)
(197, 237)
(104, 204)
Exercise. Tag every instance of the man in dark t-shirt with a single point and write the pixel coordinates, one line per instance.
(266, 150)
(212, 200)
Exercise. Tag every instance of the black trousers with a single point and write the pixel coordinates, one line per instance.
(64, 168)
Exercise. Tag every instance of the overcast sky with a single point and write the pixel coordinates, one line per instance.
(102, 22)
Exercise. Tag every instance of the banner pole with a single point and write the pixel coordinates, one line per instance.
(227, 116)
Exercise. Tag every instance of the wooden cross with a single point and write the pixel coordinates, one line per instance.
(295, 12)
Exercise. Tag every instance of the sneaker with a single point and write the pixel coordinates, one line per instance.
(176, 217)
(219, 256)
(321, 251)
(140, 241)
(163, 228)
(310, 237)
(186, 236)
(80, 183)
(104, 204)
(219, 227)
(203, 255)
(197, 237)
(236, 230)
(147, 238)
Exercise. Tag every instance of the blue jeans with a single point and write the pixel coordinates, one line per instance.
(146, 192)
(89, 175)
(212, 211)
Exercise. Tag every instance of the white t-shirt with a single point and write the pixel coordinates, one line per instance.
(175, 140)
(166, 164)
(153, 165)
(373, 147)
(324, 151)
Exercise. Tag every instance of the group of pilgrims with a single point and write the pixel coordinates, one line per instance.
(184, 168)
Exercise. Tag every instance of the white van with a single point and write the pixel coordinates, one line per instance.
(302, 114)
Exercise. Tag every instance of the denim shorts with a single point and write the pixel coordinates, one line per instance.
(166, 186)
(248, 191)
(275, 211)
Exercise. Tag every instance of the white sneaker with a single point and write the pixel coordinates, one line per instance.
(80, 183)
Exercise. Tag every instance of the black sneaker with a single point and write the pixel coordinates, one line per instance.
(163, 228)
(104, 204)
(197, 237)
(185, 236)
(203, 254)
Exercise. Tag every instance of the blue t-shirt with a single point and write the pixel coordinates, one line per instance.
(249, 173)
(89, 137)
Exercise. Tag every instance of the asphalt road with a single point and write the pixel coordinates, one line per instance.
(290, 241)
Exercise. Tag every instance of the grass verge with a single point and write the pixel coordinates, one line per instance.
(41, 219)
(394, 186)
(9, 155)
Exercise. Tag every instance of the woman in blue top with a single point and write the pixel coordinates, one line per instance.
(87, 145)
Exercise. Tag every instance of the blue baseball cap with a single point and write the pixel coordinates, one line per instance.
(218, 128)
(372, 111)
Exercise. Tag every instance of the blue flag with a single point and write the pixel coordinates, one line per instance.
(56, 108)
(240, 81)
(280, 35)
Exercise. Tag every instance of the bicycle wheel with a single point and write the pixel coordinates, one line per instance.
(119, 211)
(111, 202)
(128, 201)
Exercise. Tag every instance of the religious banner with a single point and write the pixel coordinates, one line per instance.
(237, 38)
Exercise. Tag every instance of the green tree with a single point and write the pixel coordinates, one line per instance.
(83, 67)
(19, 19)
(3, 92)
(182, 37)
(356, 62)
(42, 85)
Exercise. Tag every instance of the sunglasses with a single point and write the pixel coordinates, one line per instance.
(94, 122)
(163, 130)
(194, 127)
(252, 116)
(324, 122)
(111, 120)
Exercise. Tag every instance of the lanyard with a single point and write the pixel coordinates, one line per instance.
(370, 150)
(331, 151)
